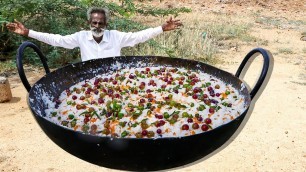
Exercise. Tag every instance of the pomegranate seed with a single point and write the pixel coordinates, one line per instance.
(211, 110)
(131, 76)
(142, 100)
(86, 119)
(147, 69)
(196, 89)
(144, 132)
(207, 121)
(209, 88)
(100, 101)
(218, 94)
(96, 92)
(158, 131)
(195, 126)
(194, 96)
(117, 96)
(163, 86)
(185, 127)
(96, 82)
(192, 83)
(200, 119)
(141, 87)
(169, 82)
(207, 102)
(189, 120)
(176, 91)
(204, 127)
(93, 102)
(181, 82)
(74, 97)
(105, 80)
(205, 96)
(115, 82)
(161, 122)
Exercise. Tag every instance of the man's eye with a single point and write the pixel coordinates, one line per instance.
(100, 23)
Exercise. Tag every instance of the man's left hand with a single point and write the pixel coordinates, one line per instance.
(171, 25)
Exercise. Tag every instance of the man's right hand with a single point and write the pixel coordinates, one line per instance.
(18, 28)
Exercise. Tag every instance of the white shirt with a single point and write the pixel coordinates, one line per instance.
(110, 45)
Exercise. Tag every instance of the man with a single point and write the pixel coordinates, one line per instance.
(98, 42)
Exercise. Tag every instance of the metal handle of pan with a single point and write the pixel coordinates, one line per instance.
(264, 70)
(19, 63)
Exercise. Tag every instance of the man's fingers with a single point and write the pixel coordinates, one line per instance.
(18, 23)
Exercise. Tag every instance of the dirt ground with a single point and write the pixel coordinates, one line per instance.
(272, 138)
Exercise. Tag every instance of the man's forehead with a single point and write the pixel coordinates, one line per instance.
(97, 15)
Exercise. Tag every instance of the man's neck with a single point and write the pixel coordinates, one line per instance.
(98, 39)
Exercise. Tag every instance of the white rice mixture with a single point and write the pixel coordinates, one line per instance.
(149, 102)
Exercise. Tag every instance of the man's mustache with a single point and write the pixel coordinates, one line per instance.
(96, 29)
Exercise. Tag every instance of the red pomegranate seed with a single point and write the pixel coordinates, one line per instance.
(142, 100)
(144, 132)
(161, 122)
(158, 131)
(204, 127)
(207, 121)
(194, 96)
(100, 101)
(189, 120)
(86, 119)
(185, 127)
(211, 110)
(131, 76)
(195, 126)
(74, 97)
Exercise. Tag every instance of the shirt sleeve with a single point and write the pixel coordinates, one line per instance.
(133, 38)
(68, 41)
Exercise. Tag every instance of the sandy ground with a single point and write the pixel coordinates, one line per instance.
(272, 138)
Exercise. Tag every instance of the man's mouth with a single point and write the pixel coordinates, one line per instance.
(97, 32)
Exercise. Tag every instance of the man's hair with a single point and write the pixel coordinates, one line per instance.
(104, 11)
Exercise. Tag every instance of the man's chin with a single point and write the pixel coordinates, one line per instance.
(97, 35)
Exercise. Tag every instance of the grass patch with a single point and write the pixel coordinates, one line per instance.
(7, 65)
(200, 39)
(280, 23)
(285, 51)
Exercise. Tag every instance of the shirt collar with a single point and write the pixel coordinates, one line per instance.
(104, 39)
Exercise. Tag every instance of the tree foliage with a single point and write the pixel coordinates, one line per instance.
(66, 17)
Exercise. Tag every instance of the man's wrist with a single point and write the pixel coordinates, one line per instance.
(26, 32)
(163, 27)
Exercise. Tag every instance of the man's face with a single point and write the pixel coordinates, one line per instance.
(97, 24)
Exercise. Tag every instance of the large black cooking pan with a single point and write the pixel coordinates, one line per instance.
(131, 153)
